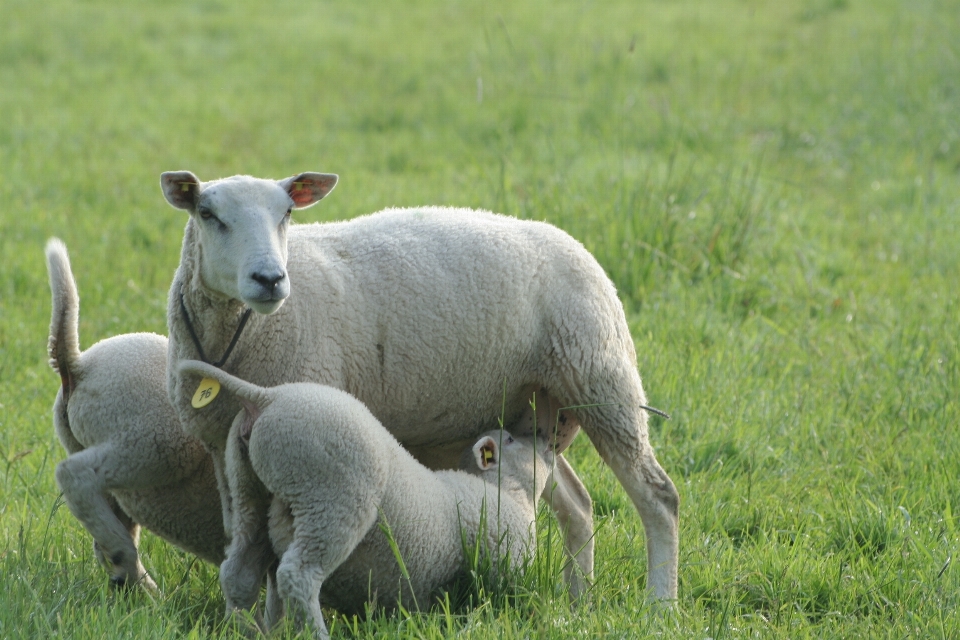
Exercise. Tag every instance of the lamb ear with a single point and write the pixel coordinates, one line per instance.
(486, 453)
(180, 188)
(307, 189)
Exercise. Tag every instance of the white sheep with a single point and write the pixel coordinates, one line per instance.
(440, 320)
(350, 475)
(129, 462)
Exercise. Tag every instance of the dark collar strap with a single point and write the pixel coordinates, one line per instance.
(196, 341)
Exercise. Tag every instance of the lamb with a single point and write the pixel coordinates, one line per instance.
(129, 463)
(440, 320)
(353, 474)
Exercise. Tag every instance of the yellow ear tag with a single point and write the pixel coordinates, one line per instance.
(487, 455)
(185, 186)
(206, 392)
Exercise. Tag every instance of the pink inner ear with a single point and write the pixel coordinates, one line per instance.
(301, 193)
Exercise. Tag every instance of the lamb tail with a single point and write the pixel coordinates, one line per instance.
(250, 395)
(63, 346)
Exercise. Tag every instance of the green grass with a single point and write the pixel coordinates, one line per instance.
(773, 187)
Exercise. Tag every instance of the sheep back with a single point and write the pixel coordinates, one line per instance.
(394, 306)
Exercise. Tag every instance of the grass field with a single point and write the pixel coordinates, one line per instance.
(773, 187)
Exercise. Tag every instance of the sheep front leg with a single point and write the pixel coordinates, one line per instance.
(573, 508)
(83, 478)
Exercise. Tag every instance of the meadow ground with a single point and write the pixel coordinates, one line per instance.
(773, 187)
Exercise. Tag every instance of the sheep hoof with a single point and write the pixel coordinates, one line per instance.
(120, 583)
(245, 623)
(123, 584)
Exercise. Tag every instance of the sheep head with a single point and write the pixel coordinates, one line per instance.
(242, 226)
(522, 462)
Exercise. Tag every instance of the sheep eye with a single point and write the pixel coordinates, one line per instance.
(205, 213)
(509, 439)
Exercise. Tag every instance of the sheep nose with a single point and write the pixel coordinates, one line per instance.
(268, 281)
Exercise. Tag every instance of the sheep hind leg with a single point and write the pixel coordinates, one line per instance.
(299, 579)
(273, 610)
(250, 554)
(248, 559)
(133, 528)
(573, 508)
(85, 488)
(326, 530)
(619, 433)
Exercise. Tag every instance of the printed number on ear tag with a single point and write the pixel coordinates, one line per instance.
(206, 392)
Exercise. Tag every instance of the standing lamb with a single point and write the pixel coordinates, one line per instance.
(129, 462)
(440, 320)
(351, 474)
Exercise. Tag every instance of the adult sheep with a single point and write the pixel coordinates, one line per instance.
(442, 321)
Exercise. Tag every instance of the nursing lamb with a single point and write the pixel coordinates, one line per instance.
(353, 475)
(440, 320)
(129, 463)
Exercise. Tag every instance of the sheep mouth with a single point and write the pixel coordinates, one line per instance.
(266, 305)
(266, 300)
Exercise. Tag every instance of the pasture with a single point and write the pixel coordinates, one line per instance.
(773, 187)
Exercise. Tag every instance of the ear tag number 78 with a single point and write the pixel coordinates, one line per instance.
(205, 393)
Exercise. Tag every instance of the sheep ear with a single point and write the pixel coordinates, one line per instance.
(180, 188)
(307, 189)
(487, 453)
